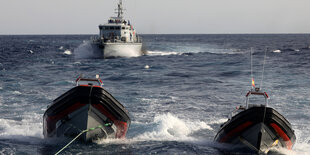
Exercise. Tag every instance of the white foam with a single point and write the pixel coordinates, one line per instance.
(218, 121)
(68, 52)
(30, 125)
(295, 151)
(162, 53)
(85, 50)
(277, 51)
(17, 93)
(165, 127)
(115, 141)
(193, 50)
(30, 51)
(146, 66)
(302, 145)
(169, 127)
(61, 47)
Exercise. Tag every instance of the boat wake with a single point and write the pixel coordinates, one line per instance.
(162, 53)
(165, 127)
(26, 130)
(86, 51)
(169, 127)
(29, 125)
(211, 51)
(302, 145)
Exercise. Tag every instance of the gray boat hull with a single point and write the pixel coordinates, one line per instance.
(86, 107)
(257, 130)
(86, 117)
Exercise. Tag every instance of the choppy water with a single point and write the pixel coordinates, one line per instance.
(176, 105)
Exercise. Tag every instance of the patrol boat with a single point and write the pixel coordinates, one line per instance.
(87, 112)
(117, 38)
(256, 128)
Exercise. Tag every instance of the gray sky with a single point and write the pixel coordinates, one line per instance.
(156, 16)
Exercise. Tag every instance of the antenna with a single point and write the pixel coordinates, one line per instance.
(120, 10)
(261, 83)
(253, 84)
(263, 71)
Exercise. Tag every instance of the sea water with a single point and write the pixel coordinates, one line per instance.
(177, 95)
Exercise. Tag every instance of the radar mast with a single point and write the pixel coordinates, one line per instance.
(120, 10)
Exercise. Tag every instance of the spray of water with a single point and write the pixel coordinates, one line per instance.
(86, 50)
(67, 52)
(162, 53)
(165, 127)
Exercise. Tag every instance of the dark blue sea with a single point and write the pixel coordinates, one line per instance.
(178, 94)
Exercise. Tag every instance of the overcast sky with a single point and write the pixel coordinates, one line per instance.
(156, 16)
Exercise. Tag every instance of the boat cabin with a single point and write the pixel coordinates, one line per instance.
(117, 29)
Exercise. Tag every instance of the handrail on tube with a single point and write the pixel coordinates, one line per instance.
(97, 79)
(256, 91)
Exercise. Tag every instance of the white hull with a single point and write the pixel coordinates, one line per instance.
(110, 50)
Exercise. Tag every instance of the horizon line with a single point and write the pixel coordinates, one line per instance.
(156, 34)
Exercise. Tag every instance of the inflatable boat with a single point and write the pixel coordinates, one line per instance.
(256, 128)
(88, 109)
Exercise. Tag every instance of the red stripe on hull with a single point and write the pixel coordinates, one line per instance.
(121, 126)
(51, 120)
(282, 134)
(235, 131)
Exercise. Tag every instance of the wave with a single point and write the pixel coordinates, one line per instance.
(228, 51)
(67, 52)
(164, 127)
(212, 51)
(302, 145)
(29, 126)
(17, 92)
(162, 53)
(290, 50)
(169, 127)
(85, 50)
